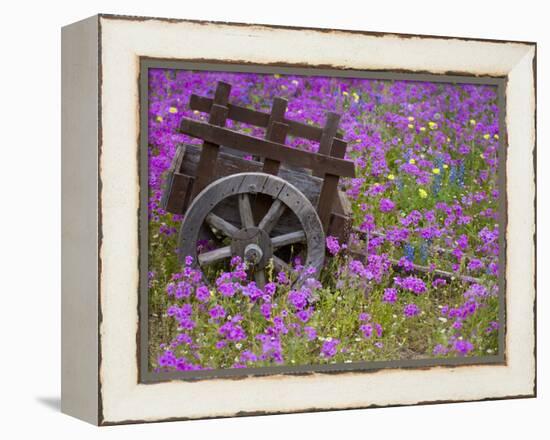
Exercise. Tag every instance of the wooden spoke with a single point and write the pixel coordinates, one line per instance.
(286, 239)
(259, 277)
(280, 265)
(220, 224)
(272, 216)
(245, 211)
(214, 256)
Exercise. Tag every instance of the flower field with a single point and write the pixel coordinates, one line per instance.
(418, 278)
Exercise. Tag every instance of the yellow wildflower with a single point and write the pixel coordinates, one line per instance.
(411, 126)
(422, 128)
(412, 161)
(411, 118)
(472, 122)
(432, 125)
(277, 76)
(436, 171)
(159, 118)
(391, 177)
(196, 112)
(486, 136)
(495, 136)
(448, 139)
(355, 97)
(445, 166)
(173, 110)
(482, 156)
(345, 93)
(423, 193)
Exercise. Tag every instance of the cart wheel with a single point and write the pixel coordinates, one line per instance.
(250, 241)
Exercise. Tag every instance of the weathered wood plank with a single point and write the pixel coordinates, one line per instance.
(278, 110)
(330, 188)
(326, 199)
(221, 95)
(329, 131)
(178, 159)
(227, 163)
(177, 186)
(209, 154)
(277, 134)
(340, 226)
(276, 131)
(177, 193)
(343, 205)
(260, 147)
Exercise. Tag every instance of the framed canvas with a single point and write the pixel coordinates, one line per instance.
(262, 219)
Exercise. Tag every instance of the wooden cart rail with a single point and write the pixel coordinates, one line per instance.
(259, 118)
(317, 162)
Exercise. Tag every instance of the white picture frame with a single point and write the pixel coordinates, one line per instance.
(100, 204)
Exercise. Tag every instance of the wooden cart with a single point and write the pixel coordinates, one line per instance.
(256, 209)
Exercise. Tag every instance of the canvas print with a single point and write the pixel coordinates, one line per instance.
(306, 220)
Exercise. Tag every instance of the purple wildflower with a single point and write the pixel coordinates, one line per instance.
(367, 330)
(363, 316)
(232, 332)
(475, 291)
(463, 347)
(386, 205)
(282, 278)
(217, 312)
(390, 295)
(310, 332)
(304, 315)
(411, 310)
(412, 284)
(202, 293)
(332, 245)
(329, 348)
(440, 350)
(298, 299)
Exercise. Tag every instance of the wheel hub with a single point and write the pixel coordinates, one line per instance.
(253, 245)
